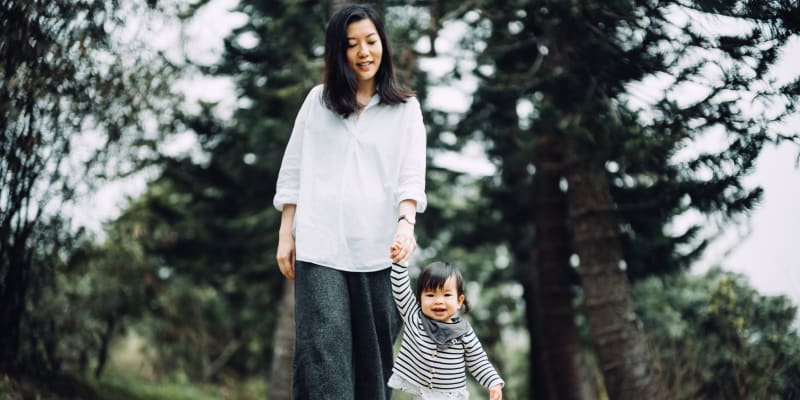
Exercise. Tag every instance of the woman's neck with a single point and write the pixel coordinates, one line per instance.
(365, 92)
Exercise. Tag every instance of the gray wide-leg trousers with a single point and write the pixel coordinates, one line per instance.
(345, 326)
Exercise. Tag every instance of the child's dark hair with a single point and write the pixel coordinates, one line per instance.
(340, 81)
(434, 277)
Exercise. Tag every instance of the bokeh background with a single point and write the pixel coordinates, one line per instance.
(617, 180)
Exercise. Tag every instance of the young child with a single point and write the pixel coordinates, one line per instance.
(437, 344)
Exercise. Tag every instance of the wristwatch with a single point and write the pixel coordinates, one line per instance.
(410, 218)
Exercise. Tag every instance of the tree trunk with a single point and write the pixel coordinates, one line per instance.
(15, 263)
(539, 384)
(561, 356)
(280, 375)
(10, 315)
(105, 344)
(623, 355)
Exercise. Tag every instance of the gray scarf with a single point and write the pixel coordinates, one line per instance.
(445, 334)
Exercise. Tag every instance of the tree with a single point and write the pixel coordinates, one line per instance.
(564, 95)
(714, 336)
(553, 280)
(67, 79)
(101, 288)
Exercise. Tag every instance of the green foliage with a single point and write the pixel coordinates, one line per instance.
(102, 289)
(116, 387)
(714, 336)
(209, 223)
(77, 105)
(562, 84)
(125, 388)
(189, 265)
(582, 85)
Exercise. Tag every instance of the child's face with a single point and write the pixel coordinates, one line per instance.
(441, 304)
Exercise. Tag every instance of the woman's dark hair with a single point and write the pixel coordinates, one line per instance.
(434, 277)
(340, 81)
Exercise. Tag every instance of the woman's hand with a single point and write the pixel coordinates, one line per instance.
(285, 255)
(286, 250)
(496, 392)
(404, 243)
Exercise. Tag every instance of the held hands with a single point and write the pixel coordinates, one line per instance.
(404, 243)
(496, 392)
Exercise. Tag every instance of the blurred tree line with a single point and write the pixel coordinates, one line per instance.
(570, 246)
(79, 104)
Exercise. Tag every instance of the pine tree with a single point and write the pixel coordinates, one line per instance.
(571, 65)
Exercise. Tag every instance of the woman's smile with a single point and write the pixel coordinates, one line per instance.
(364, 49)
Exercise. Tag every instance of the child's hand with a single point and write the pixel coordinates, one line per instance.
(403, 245)
(496, 392)
(396, 251)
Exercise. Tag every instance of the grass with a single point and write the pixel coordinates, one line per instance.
(124, 388)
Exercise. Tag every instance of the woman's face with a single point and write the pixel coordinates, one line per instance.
(364, 49)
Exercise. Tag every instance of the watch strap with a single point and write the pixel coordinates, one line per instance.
(408, 219)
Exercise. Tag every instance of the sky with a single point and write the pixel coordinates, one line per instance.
(767, 247)
(764, 247)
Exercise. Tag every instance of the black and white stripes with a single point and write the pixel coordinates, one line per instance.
(421, 362)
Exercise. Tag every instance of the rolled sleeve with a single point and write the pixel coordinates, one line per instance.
(411, 184)
(287, 188)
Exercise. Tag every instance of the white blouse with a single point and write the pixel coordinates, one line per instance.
(347, 177)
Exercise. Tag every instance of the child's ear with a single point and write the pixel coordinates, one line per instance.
(460, 300)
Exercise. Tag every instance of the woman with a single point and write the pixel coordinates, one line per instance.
(351, 182)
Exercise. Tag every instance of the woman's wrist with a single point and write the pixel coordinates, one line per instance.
(405, 227)
(409, 218)
(404, 222)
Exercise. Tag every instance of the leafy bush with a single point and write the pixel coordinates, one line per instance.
(714, 336)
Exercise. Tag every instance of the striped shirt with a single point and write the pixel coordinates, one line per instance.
(421, 362)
